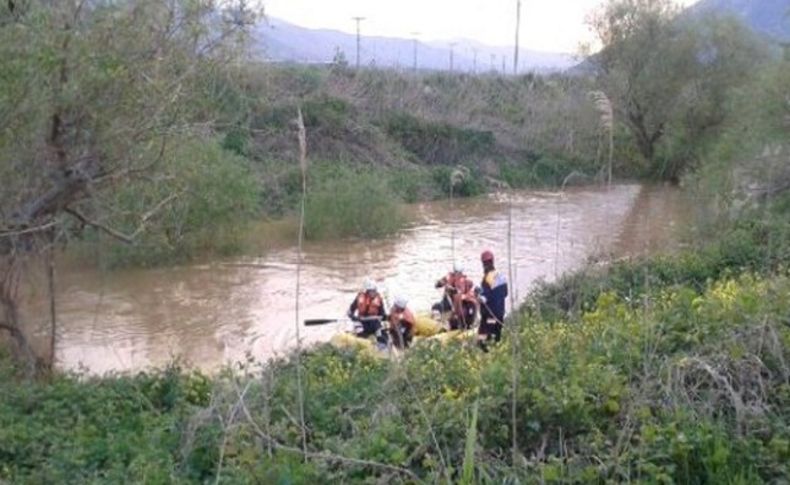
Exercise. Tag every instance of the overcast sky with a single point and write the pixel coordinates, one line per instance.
(548, 25)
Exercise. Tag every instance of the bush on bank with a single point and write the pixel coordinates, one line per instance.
(202, 203)
(349, 203)
(755, 244)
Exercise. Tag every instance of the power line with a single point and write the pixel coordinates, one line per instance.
(358, 20)
(415, 43)
(518, 28)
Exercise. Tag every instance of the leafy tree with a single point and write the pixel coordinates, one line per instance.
(666, 74)
(644, 64)
(92, 94)
(339, 60)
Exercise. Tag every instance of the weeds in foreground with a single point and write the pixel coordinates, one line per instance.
(691, 385)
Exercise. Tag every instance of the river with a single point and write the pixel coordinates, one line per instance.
(215, 313)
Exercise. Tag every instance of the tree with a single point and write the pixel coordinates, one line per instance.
(92, 92)
(669, 74)
(339, 61)
(643, 65)
(727, 56)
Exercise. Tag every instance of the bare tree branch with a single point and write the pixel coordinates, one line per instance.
(105, 229)
(8, 233)
(128, 239)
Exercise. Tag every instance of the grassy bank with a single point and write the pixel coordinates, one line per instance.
(673, 369)
(397, 135)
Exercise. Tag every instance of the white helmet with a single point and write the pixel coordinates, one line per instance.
(457, 267)
(401, 302)
(370, 285)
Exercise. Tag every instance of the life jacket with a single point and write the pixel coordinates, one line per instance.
(495, 288)
(457, 282)
(467, 290)
(367, 306)
(493, 280)
(407, 319)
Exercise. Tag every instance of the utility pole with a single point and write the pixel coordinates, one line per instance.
(504, 63)
(358, 20)
(493, 63)
(474, 60)
(452, 46)
(414, 41)
(518, 28)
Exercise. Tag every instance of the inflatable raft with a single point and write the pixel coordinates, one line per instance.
(426, 328)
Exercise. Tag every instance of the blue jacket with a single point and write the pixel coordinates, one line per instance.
(494, 289)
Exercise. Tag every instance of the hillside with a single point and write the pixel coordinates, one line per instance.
(285, 42)
(768, 17)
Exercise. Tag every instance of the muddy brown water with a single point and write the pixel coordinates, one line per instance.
(220, 312)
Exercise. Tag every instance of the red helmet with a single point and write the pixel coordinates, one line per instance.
(487, 256)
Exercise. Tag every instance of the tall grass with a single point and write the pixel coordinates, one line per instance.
(468, 474)
(302, 138)
(606, 113)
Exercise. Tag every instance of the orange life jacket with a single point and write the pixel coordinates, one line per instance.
(455, 282)
(403, 317)
(467, 290)
(367, 306)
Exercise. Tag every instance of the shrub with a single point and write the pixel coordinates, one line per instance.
(469, 184)
(414, 184)
(214, 194)
(115, 429)
(541, 171)
(439, 143)
(751, 245)
(351, 203)
(325, 113)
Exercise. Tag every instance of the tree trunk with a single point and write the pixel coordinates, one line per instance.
(53, 330)
(645, 139)
(21, 349)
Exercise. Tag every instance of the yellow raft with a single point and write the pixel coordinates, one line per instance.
(425, 328)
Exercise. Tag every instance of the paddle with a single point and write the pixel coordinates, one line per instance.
(324, 321)
(320, 321)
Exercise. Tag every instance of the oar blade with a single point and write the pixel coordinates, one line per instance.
(319, 321)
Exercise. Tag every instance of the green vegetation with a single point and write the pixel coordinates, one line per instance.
(759, 246)
(214, 195)
(675, 381)
(439, 142)
(352, 203)
(111, 430)
(667, 77)
(410, 129)
(673, 368)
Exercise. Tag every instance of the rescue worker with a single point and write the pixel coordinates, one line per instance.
(458, 297)
(368, 309)
(402, 323)
(491, 295)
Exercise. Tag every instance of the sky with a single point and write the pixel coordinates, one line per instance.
(546, 25)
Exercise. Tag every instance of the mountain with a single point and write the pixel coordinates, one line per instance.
(767, 17)
(280, 41)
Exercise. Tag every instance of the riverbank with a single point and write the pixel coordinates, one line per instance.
(345, 200)
(673, 369)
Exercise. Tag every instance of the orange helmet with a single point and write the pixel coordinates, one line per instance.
(487, 256)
